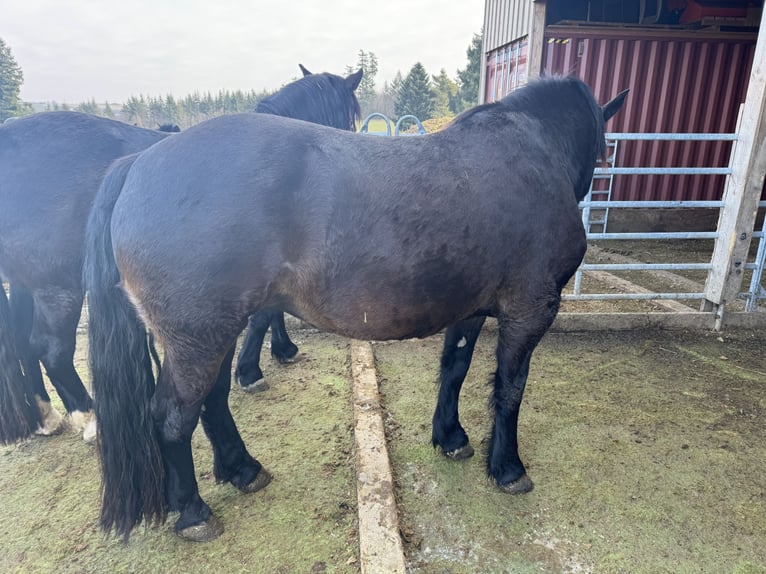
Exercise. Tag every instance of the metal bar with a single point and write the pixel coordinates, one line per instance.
(667, 235)
(596, 204)
(662, 171)
(670, 136)
(642, 296)
(756, 291)
(644, 266)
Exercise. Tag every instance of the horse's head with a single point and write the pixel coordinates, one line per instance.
(324, 99)
(601, 114)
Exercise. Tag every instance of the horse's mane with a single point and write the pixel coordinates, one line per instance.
(541, 97)
(319, 98)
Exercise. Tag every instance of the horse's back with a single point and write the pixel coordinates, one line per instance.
(51, 165)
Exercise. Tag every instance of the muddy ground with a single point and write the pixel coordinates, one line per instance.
(648, 452)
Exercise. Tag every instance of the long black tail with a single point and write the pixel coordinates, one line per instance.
(132, 487)
(19, 413)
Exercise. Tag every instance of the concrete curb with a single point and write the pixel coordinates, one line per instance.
(380, 545)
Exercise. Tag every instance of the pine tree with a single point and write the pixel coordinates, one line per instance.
(415, 95)
(11, 78)
(365, 93)
(445, 95)
(468, 78)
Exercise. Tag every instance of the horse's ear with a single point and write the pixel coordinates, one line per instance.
(353, 80)
(304, 70)
(612, 107)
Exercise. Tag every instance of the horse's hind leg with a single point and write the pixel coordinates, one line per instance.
(520, 330)
(22, 312)
(175, 409)
(189, 380)
(231, 461)
(54, 332)
(459, 343)
(282, 348)
(248, 370)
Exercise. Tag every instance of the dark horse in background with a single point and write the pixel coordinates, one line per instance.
(301, 100)
(373, 238)
(51, 165)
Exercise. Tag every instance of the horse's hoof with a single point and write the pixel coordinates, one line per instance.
(261, 480)
(78, 419)
(461, 453)
(206, 531)
(287, 360)
(89, 433)
(520, 486)
(257, 387)
(52, 421)
(285, 354)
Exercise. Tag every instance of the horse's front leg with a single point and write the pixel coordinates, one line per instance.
(520, 330)
(459, 343)
(504, 464)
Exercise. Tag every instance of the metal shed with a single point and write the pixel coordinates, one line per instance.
(688, 78)
(694, 67)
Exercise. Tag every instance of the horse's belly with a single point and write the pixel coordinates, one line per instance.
(377, 310)
(378, 323)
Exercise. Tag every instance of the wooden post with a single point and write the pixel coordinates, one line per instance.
(743, 188)
(536, 40)
(380, 546)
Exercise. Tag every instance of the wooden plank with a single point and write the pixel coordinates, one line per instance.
(743, 189)
(380, 545)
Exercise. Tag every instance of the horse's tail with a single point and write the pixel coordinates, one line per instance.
(132, 487)
(19, 413)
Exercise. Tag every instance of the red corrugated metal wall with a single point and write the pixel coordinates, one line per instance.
(689, 84)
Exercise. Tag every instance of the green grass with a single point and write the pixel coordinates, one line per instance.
(377, 125)
(305, 519)
(646, 458)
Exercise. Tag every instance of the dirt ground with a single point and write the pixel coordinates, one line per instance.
(304, 521)
(648, 452)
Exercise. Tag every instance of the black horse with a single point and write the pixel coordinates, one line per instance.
(373, 238)
(51, 165)
(314, 101)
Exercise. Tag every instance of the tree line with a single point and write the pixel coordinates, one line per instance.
(417, 93)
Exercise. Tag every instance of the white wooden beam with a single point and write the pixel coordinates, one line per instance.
(743, 187)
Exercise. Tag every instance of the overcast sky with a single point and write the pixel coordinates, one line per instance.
(75, 50)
